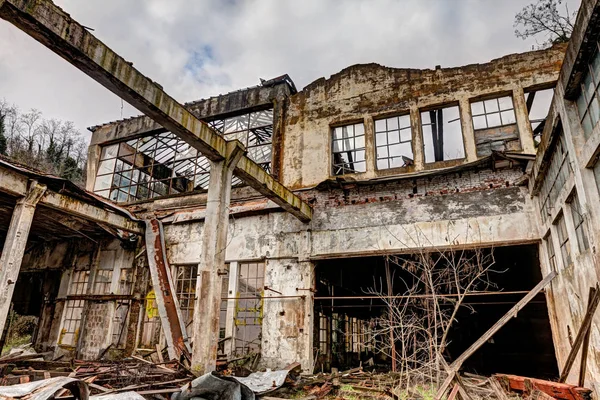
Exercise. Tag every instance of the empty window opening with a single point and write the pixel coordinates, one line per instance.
(393, 140)
(578, 222)
(588, 103)
(163, 164)
(352, 307)
(442, 134)
(71, 325)
(249, 308)
(495, 125)
(559, 170)
(563, 241)
(348, 149)
(538, 104)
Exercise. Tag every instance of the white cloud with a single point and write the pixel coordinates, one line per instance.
(203, 48)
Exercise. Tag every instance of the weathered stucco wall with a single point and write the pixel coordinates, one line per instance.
(568, 293)
(458, 210)
(364, 92)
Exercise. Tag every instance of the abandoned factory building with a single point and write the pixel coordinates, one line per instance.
(327, 198)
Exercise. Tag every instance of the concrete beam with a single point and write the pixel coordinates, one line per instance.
(16, 184)
(55, 29)
(14, 246)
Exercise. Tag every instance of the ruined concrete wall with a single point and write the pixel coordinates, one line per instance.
(568, 293)
(362, 93)
(456, 210)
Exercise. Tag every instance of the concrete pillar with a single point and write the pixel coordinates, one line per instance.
(212, 259)
(467, 129)
(522, 116)
(14, 245)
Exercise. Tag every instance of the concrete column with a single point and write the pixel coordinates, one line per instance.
(468, 131)
(212, 259)
(522, 116)
(14, 245)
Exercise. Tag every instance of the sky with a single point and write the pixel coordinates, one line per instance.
(197, 49)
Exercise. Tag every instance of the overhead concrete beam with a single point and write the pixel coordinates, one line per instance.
(55, 29)
(15, 184)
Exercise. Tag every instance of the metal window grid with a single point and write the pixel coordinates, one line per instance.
(563, 239)
(578, 221)
(163, 164)
(551, 253)
(393, 141)
(588, 101)
(348, 149)
(492, 113)
(249, 307)
(69, 332)
(558, 172)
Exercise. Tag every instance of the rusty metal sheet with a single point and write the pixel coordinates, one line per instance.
(164, 289)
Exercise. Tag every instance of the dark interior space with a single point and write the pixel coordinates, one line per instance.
(345, 308)
(33, 304)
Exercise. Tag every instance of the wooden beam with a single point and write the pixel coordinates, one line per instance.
(581, 334)
(55, 29)
(455, 366)
(15, 184)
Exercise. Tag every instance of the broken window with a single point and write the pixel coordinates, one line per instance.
(538, 104)
(255, 131)
(249, 308)
(495, 125)
(588, 103)
(559, 170)
(442, 134)
(393, 140)
(163, 164)
(119, 334)
(185, 284)
(550, 250)
(578, 222)
(563, 240)
(69, 333)
(348, 149)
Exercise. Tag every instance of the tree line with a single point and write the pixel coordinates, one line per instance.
(50, 145)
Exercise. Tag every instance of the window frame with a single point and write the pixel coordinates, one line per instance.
(387, 131)
(354, 150)
(496, 98)
(584, 108)
(563, 240)
(422, 126)
(578, 217)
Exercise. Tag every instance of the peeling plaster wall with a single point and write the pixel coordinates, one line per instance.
(363, 92)
(568, 293)
(456, 210)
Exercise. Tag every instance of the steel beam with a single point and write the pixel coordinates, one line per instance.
(55, 29)
(164, 290)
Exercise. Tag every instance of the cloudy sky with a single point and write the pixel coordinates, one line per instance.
(197, 49)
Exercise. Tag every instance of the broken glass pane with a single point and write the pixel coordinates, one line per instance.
(102, 182)
(106, 167)
(109, 151)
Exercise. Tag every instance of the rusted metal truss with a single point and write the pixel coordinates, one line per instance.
(166, 301)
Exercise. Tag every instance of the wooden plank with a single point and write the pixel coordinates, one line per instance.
(454, 392)
(586, 344)
(455, 366)
(561, 391)
(583, 329)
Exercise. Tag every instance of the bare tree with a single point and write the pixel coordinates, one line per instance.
(547, 19)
